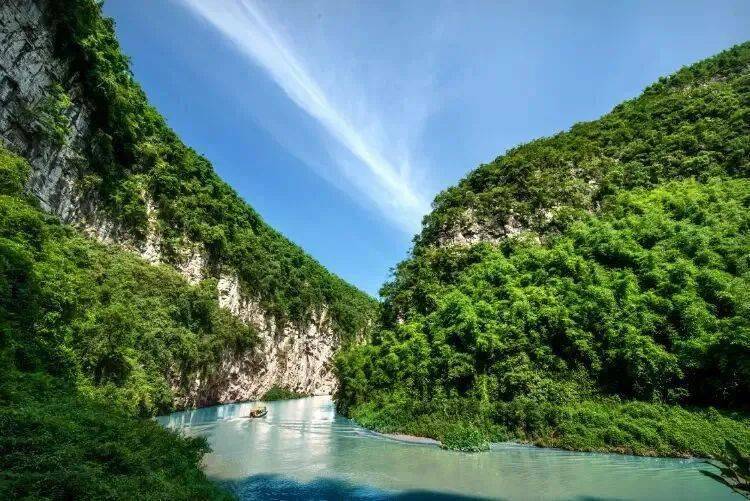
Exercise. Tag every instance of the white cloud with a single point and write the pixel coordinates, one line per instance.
(379, 171)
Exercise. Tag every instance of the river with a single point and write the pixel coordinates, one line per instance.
(303, 450)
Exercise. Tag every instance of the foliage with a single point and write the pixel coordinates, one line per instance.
(648, 300)
(58, 444)
(734, 470)
(606, 424)
(90, 338)
(278, 393)
(14, 172)
(465, 438)
(100, 316)
(135, 157)
(695, 123)
(47, 119)
(626, 288)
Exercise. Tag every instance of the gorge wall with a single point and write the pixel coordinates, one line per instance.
(293, 355)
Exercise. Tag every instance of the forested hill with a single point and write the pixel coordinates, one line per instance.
(693, 123)
(587, 290)
(133, 280)
(134, 158)
(104, 161)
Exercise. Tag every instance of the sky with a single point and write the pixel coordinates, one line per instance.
(339, 121)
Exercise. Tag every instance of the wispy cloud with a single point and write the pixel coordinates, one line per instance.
(382, 176)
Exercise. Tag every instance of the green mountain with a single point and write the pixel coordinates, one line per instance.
(133, 280)
(102, 160)
(589, 290)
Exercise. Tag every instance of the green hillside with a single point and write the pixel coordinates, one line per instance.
(132, 155)
(90, 335)
(606, 306)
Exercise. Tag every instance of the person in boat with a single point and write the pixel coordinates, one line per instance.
(257, 412)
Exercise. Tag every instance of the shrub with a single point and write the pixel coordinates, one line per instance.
(465, 438)
(278, 393)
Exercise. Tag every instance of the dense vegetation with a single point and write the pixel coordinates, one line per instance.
(100, 316)
(693, 123)
(58, 444)
(134, 156)
(278, 393)
(90, 337)
(613, 317)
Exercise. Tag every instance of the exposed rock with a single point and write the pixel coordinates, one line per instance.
(468, 231)
(293, 357)
(27, 71)
(297, 357)
(465, 232)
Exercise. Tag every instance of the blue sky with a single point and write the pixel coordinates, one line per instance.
(339, 121)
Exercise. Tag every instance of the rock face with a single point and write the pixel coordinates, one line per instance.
(27, 72)
(296, 357)
(468, 231)
(291, 356)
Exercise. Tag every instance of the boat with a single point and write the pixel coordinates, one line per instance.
(257, 413)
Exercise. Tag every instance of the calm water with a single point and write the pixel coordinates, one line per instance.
(302, 450)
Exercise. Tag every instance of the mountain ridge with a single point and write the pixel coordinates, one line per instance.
(576, 145)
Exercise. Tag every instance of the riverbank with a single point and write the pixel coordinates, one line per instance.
(605, 425)
(410, 439)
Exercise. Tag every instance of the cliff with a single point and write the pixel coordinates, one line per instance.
(50, 115)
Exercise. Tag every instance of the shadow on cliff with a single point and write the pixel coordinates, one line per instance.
(278, 487)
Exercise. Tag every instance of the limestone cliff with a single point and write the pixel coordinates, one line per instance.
(294, 355)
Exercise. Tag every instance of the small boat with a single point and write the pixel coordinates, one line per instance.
(257, 413)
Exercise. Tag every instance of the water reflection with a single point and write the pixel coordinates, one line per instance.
(302, 450)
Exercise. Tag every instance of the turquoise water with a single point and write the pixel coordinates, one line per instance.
(303, 450)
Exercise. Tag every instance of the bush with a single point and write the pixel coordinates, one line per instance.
(465, 438)
(58, 444)
(278, 393)
(14, 172)
(90, 338)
